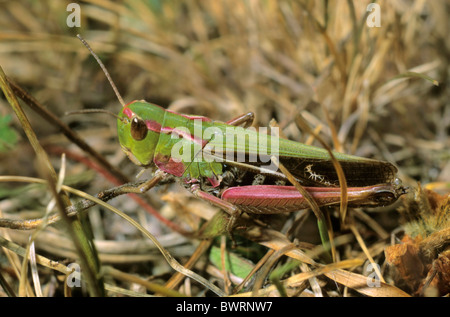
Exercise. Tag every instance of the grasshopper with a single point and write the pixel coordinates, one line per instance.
(228, 164)
(152, 137)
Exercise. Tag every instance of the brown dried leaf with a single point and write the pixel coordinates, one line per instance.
(422, 258)
(437, 282)
(405, 257)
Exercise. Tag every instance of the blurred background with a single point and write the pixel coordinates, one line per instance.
(379, 92)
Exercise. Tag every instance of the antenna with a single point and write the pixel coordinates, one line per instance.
(116, 91)
(69, 113)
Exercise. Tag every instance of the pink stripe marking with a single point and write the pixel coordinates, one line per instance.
(203, 119)
(153, 125)
(127, 111)
(184, 134)
(169, 166)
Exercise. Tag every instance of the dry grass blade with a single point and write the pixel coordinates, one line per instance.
(301, 123)
(321, 218)
(359, 283)
(153, 287)
(53, 265)
(366, 251)
(6, 286)
(255, 269)
(298, 279)
(417, 75)
(85, 253)
(304, 192)
(177, 278)
(173, 263)
(261, 276)
(69, 133)
(25, 123)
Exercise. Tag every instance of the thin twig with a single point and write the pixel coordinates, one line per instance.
(172, 262)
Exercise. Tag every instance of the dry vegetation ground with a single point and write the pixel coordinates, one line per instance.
(366, 90)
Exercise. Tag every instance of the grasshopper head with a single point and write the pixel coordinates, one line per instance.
(138, 127)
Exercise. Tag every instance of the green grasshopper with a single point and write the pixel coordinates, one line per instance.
(148, 134)
(229, 165)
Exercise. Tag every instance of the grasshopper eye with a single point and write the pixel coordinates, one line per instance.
(138, 129)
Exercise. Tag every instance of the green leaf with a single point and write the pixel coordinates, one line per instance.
(234, 263)
(8, 136)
